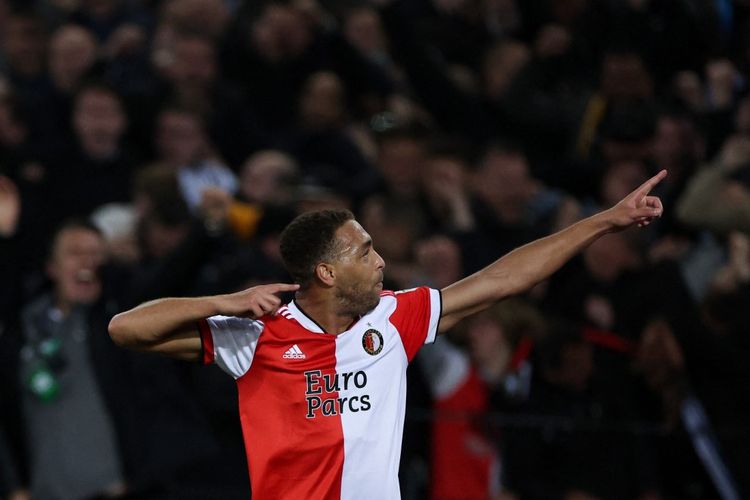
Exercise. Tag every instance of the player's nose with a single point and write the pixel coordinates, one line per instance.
(380, 261)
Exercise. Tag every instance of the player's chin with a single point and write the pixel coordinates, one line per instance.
(372, 299)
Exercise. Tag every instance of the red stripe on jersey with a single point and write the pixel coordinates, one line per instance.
(292, 455)
(412, 318)
(387, 293)
(207, 342)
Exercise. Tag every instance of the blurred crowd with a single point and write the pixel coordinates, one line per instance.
(154, 148)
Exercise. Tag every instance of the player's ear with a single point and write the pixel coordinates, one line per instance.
(325, 273)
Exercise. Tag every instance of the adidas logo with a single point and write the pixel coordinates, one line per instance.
(294, 352)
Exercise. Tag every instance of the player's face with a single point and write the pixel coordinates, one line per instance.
(359, 270)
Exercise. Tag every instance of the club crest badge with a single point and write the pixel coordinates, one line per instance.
(372, 342)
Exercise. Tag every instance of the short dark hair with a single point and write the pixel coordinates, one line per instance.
(309, 239)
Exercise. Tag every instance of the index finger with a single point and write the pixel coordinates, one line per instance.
(650, 184)
(282, 287)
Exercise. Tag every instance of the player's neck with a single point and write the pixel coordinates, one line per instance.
(322, 310)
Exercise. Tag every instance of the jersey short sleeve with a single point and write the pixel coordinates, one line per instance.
(417, 317)
(230, 342)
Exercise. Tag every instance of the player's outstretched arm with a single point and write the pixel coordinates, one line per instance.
(170, 326)
(526, 266)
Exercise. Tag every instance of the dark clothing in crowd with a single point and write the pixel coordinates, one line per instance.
(79, 184)
(580, 448)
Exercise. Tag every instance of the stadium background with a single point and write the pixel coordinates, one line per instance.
(191, 131)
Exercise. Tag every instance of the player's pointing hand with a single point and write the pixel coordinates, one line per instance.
(255, 302)
(638, 207)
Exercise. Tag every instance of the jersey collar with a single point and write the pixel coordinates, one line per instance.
(303, 319)
(307, 322)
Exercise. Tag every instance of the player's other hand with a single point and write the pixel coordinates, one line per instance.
(255, 302)
(638, 207)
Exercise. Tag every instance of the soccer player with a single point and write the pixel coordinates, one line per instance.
(321, 380)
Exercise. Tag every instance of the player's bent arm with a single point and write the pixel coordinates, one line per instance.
(518, 271)
(526, 266)
(165, 326)
(170, 326)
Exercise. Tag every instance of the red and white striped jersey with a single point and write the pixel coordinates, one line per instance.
(323, 415)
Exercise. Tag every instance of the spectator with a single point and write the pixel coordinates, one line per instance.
(363, 30)
(194, 82)
(62, 380)
(72, 53)
(117, 25)
(722, 181)
(562, 460)
(267, 182)
(69, 375)
(267, 177)
(14, 138)
(24, 42)
(446, 189)
(624, 80)
(183, 144)
(274, 48)
(513, 206)
(492, 374)
(402, 153)
(99, 166)
(678, 146)
(399, 229)
(324, 144)
(210, 18)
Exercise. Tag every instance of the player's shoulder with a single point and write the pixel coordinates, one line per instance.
(404, 292)
(392, 300)
(411, 294)
(283, 320)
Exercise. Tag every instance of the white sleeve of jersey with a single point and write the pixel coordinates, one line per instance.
(417, 317)
(234, 342)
